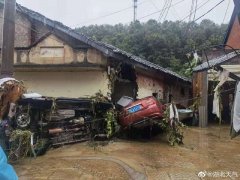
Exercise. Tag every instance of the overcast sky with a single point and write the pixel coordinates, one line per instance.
(76, 13)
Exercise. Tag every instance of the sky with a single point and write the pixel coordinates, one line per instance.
(77, 13)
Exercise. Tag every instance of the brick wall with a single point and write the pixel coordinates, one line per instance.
(234, 36)
(22, 30)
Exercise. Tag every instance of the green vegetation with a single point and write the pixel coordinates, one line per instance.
(164, 43)
(173, 128)
(20, 144)
(112, 125)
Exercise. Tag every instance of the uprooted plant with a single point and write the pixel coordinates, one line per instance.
(20, 144)
(173, 128)
(112, 125)
(99, 97)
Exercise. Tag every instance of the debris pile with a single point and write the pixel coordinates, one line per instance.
(20, 144)
(172, 126)
(11, 91)
(33, 122)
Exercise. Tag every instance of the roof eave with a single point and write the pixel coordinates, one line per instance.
(236, 10)
(108, 51)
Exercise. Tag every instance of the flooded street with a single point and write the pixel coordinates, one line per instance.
(210, 151)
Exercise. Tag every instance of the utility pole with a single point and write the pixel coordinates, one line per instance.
(8, 38)
(134, 10)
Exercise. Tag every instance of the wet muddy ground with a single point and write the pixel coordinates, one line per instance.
(209, 151)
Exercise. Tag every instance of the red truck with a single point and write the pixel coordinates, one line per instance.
(141, 112)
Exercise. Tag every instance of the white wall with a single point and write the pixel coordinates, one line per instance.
(65, 84)
(147, 86)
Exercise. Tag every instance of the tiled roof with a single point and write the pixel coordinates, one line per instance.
(103, 47)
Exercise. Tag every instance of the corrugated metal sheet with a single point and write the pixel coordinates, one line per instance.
(217, 61)
(212, 74)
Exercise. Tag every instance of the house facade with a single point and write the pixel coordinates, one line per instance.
(54, 60)
(223, 57)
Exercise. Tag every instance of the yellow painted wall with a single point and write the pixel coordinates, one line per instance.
(96, 57)
(65, 84)
(51, 41)
(62, 53)
(148, 85)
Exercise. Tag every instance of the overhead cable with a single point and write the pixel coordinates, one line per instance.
(209, 11)
(203, 4)
(161, 10)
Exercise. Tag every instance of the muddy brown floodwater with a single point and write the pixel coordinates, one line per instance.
(209, 150)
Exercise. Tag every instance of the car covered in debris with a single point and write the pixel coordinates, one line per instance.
(62, 120)
(140, 113)
(185, 114)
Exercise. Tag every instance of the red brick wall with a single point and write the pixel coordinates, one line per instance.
(234, 36)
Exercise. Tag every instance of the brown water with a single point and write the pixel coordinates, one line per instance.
(209, 150)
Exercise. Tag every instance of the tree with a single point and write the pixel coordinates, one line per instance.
(164, 43)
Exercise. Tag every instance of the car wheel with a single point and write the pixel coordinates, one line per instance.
(23, 120)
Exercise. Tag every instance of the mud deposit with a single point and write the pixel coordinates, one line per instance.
(208, 150)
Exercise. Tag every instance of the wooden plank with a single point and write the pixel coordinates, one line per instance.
(231, 75)
(203, 107)
(195, 85)
(200, 89)
(8, 38)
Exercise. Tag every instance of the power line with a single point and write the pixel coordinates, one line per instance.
(203, 4)
(195, 11)
(140, 17)
(100, 17)
(206, 12)
(176, 14)
(107, 15)
(209, 10)
(38, 32)
(160, 10)
(170, 4)
(157, 7)
(151, 1)
(226, 12)
(191, 10)
(135, 10)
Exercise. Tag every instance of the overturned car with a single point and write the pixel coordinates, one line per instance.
(62, 120)
(140, 113)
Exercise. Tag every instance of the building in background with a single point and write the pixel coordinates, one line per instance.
(224, 57)
(56, 61)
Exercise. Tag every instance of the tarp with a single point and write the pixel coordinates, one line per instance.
(3, 80)
(223, 77)
(32, 95)
(235, 129)
(6, 171)
(173, 114)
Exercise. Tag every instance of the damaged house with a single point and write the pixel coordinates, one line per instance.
(222, 58)
(56, 61)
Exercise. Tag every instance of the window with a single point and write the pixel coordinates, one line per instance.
(48, 52)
